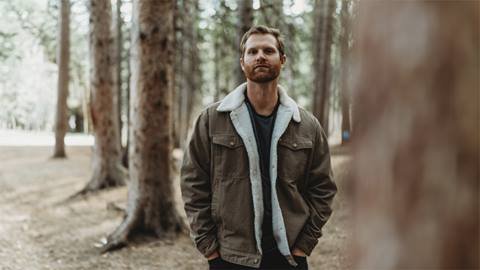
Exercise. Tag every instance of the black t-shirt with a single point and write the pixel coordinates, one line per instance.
(263, 128)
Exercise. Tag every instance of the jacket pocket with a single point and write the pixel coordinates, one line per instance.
(229, 141)
(293, 157)
(295, 209)
(236, 214)
(230, 157)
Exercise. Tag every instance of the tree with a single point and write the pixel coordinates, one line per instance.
(117, 59)
(322, 43)
(415, 164)
(272, 13)
(179, 22)
(151, 208)
(344, 87)
(225, 47)
(188, 68)
(245, 21)
(63, 60)
(216, 67)
(121, 74)
(107, 168)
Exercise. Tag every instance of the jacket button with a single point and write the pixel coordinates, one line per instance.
(294, 145)
(232, 143)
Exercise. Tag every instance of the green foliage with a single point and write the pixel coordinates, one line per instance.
(28, 42)
(218, 25)
(6, 45)
(27, 77)
(28, 53)
(38, 21)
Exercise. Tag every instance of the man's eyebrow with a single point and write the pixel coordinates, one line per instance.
(261, 46)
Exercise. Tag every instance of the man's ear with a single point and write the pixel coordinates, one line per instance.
(241, 63)
(283, 59)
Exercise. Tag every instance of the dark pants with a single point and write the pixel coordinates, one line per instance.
(270, 260)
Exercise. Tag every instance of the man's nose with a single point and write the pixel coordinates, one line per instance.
(260, 56)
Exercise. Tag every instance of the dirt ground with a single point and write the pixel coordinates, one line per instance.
(40, 230)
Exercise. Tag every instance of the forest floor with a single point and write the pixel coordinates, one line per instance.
(39, 229)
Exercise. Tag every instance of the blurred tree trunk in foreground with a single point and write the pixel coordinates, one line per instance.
(151, 208)
(63, 59)
(245, 21)
(322, 45)
(107, 168)
(415, 165)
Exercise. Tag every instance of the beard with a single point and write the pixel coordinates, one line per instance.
(262, 74)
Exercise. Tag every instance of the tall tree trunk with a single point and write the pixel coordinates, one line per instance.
(117, 56)
(273, 16)
(63, 55)
(344, 56)
(192, 73)
(245, 21)
(151, 208)
(228, 40)
(127, 95)
(216, 68)
(179, 83)
(415, 165)
(119, 79)
(86, 110)
(107, 168)
(272, 13)
(323, 39)
(127, 104)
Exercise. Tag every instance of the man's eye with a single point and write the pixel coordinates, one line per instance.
(251, 52)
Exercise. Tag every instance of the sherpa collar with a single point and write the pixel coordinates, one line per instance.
(235, 99)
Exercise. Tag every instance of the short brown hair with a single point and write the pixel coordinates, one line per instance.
(262, 29)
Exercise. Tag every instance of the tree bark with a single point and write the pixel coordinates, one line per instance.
(151, 208)
(188, 69)
(117, 54)
(107, 168)
(344, 56)
(245, 21)
(415, 164)
(179, 41)
(63, 54)
(216, 68)
(227, 41)
(323, 40)
(272, 13)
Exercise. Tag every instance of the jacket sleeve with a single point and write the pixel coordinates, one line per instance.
(319, 192)
(196, 187)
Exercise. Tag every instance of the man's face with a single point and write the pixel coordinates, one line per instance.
(261, 61)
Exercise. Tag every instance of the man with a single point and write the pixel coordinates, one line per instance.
(256, 175)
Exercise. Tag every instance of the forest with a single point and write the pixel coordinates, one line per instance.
(98, 100)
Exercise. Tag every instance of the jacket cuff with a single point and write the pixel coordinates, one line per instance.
(306, 243)
(208, 245)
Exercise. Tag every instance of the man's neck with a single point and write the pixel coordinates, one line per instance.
(263, 96)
